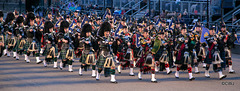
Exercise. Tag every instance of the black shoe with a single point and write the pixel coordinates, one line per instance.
(55, 67)
(223, 77)
(27, 62)
(17, 59)
(60, 68)
(197, 72)
(192, 79)
(97, 79)
(154, 81)
(114, 82)
(207, 76)
(80, 74)
(131, 75)
(14, 57)
(169, 72)
(93, 76)
(39, 62)
(232, 72)
(119, 72)
(177, 77)
(139, 78)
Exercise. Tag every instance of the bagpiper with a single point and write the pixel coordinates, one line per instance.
(183, 60)
(50, 51)
(146, 62)
(213, 53)
(66, 52)
(9, 37)
(229, 39)
(19, 33)
(2, 35)
(33, 39)
(106, 59)
(160, 53)
(88, 55)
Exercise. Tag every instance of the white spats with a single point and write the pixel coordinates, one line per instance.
(196, 70)
(204, 65)
(156, 68)
(80, 71)
(153, 78)
(131, 72)
(70, 68)
(17, 57)
(113, 80)
(61, 65)
(191, 77)
(140, 75)
(8, 54)
(44, 63)
(134, 63)
(27, 59)
(38, 60)
(93, 73)
(5, 52)
(119, 69)
(55, 65)
(177, 74)
(41, 51)
(207, 74)
(98, 76)
(221, 76)
(231, 69)
(168, 70)
(14, 54)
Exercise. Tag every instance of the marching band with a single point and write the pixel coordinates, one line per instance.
(112, 43)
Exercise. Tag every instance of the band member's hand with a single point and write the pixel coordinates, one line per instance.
(148, 42)
(128, 43)
(41, 30)
(49, 42)
(110, 43)
(186, 41)
(31, 30)
(224, 40)
(87, 42)
(9, 33)
(215, 42)
(165, 43)
(118, 42)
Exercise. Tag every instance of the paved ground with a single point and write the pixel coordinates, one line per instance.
(20, 76)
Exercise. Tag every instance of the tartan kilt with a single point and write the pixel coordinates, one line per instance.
(63, 54)
(101, 60)
(16, 48)
(83, 58)
(28, 43)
